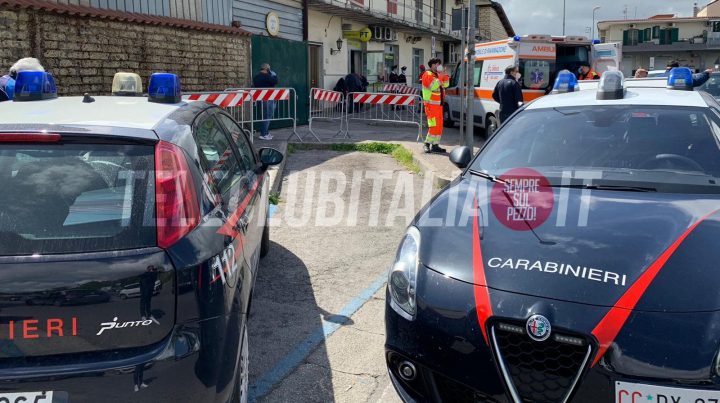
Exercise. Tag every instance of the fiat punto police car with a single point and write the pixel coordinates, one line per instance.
(102, 193)
(575, 258)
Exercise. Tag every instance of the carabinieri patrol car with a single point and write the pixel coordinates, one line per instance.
(130, 233)
(574, 260)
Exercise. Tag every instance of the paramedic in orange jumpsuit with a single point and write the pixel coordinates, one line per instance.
(434, 82)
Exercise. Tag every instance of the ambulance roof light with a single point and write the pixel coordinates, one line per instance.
(681, 78)
(34, 86)
(164, 88)
(596, 41)
(516, 38)
(565, 82)
(126, 84)
(611, 86)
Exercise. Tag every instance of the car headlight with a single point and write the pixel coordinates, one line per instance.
(402, 280)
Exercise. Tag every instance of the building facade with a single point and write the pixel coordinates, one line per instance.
(84, 45)
(651, 43)
(369, 37)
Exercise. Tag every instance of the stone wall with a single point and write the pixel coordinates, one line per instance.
(84, 52)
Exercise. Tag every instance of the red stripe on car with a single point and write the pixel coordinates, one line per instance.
(607, 330)
(482, 294)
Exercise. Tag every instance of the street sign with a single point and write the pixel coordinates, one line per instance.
(432, 48)
(363, 35)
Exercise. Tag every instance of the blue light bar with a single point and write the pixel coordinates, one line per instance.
(596, 41)
(164, 88)
(34, 86)
(565, 82)
(681, 78)
(516, 38)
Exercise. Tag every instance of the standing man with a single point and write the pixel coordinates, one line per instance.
(508, 93)
(420, 76)
(698, 79)
(402, 78)
(587, 73)
(266, 78)
(393, 75)
(434, 83)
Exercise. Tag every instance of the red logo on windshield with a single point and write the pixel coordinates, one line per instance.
(522, 199)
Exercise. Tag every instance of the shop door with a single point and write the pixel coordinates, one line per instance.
(289, 59)
(314, 68)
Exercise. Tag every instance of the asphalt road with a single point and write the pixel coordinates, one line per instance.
(317, 323)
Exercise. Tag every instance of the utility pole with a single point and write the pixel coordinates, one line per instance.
(564, 1)
(470, 96)
(461, 76)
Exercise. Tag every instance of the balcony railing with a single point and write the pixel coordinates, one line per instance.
(414, 13)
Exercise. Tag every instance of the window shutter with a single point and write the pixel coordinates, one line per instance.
(626, 38)
(674, 35)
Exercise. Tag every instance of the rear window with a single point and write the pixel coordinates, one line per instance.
(70, 198)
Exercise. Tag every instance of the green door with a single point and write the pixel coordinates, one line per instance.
(289, 59)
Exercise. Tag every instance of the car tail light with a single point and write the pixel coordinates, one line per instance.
(178, 209)
(29, 137)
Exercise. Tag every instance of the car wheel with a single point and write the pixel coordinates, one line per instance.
(491, 125)
(447, 117)
(242, 384)
(265, 242)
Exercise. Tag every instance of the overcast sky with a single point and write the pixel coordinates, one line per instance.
(545, 16)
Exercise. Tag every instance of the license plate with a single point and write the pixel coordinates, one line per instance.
(27, 397)
(640, 393)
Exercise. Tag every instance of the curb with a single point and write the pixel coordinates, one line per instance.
(439, 180)
(276, 172)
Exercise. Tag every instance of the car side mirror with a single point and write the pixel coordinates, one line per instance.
(270, 157)
(461, 156)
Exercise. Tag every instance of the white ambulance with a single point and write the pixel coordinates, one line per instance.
(539, 58)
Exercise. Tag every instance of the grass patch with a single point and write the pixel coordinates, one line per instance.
(291, 149)
(397, 151)
(274, 198)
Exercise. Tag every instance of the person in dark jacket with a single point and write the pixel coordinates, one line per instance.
(698, 79)
(266, 78)
(393, 75)
(402, 78)
(508, 93)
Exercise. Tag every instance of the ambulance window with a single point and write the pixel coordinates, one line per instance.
(535, 73)
(477, 72)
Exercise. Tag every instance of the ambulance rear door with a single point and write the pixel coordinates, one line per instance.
(607, 56)
(537, 67)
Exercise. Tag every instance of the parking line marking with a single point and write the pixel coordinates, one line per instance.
(295, 357)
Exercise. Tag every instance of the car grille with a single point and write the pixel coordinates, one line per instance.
(539, 371)
(451, 391)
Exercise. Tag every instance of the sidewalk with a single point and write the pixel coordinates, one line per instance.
(437, 165)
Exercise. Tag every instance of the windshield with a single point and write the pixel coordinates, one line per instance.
(668, 149)
(712, 86)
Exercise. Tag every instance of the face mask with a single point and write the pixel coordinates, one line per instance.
(440, 68)
(518, 76)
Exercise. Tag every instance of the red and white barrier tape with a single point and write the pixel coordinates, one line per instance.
(384, 99)
(221, 99)
(325, 95)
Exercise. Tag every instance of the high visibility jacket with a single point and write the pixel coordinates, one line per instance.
(433, 86)
(591, 75)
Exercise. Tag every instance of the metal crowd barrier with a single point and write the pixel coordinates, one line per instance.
(285, 100)
(327, 106)
(401, 89)
(385, 108)
(238, 104)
